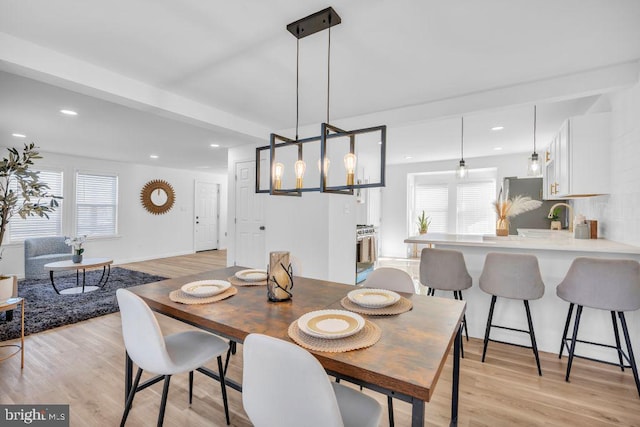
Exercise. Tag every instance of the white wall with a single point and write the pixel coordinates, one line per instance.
(618, 214)
(141, 235)
(393, 228)
(317, 229)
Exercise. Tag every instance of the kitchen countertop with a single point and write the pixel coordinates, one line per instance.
(555, 242)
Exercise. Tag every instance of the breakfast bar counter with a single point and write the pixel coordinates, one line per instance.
(555, 252)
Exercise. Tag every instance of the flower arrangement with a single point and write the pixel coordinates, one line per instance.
(76, 242)
(506, 208)
(423, 223)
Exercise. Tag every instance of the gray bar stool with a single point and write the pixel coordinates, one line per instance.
(445, 270)
(603, 284)
(514, 276)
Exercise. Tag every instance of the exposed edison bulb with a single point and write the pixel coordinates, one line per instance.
(278, 170)
(299, 167)
(326, 165)
(462, 170)
(350, 165)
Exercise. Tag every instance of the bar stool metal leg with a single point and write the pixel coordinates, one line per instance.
(573, 341)
(632, 359)
(617, 334)
(488, 329)
(532, 334)
(566, 329)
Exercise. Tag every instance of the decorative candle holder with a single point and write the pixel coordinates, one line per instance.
(279, 277)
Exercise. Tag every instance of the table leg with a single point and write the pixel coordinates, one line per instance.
(53, 283)
(456, 378)
(22, 335)
(107, 269)
(417, 413)
(128, 375)
(84, 275)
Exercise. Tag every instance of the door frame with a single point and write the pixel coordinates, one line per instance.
(195, 207)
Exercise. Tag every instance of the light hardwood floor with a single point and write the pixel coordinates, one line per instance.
(83, 365)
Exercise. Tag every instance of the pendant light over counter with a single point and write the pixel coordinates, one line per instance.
(362, 151)
(462, 170)
(534, 168)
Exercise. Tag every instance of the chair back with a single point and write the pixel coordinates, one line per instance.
(605, 284)
(143, 338)
(444, 270)
(392, 279)
(37, 246)
(515, 276)
(284, 385)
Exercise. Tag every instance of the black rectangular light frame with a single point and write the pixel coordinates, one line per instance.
(329, 132)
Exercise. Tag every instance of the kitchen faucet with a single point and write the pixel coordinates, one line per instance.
(570, 213)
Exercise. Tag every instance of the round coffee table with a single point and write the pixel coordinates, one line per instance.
(87, 263)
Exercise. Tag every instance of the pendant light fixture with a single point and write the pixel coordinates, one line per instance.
(333, 141)
(462, 170)
(534, 168)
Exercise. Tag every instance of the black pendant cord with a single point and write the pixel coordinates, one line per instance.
(297, 83)
(462, 140)
(534, 129)
(328, 69)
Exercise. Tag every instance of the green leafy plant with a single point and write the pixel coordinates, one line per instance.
(21, 191)
(555, 215)
(423, 223)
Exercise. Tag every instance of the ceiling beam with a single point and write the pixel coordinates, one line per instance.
(21, 57)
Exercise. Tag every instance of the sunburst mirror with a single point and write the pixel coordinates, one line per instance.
(157, 196)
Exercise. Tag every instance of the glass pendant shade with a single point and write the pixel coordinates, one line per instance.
(534, 165)
(462, 170)
(300, 166)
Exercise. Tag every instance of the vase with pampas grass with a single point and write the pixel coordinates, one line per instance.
(507, 208)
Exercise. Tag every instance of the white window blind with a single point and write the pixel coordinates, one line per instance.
(434, 201)
(96, 204)
(35, 226)
(475, 213)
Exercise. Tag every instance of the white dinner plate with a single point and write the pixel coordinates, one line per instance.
(373, 298)
(205, 288)
(252, 275)
(330, 324)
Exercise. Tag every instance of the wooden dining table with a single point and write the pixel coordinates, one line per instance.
(405, 363)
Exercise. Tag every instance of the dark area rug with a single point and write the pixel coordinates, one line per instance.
(45, 309)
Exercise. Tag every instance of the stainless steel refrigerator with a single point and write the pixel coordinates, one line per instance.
(537, 218)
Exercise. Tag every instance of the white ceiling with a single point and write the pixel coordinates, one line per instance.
(171, 77)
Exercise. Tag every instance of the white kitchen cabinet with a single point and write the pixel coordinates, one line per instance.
(577, 159)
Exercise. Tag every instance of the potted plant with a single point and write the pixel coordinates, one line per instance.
(423, 223)
(555, 219)
(76, 243)
(22, 192)
(508, 208)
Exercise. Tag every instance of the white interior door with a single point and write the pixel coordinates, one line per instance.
(250, 228)
(206, 226)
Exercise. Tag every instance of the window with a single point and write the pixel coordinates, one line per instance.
(474, 212)
(434, 201)
(461, 207)
(35, 226)
(96, 204)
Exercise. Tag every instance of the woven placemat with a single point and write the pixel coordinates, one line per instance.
(181, 297)
(402, 306)
(237, 282)
(368, 336)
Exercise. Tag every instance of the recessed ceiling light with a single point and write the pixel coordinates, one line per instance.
(408, 157)
(19, 135)
(214, 145)
(497, 128)
(154, 156)
(69, 112)
(497, 148)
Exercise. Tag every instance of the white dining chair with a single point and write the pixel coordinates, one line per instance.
(392, 279)
(284, 385)
(165, 355)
